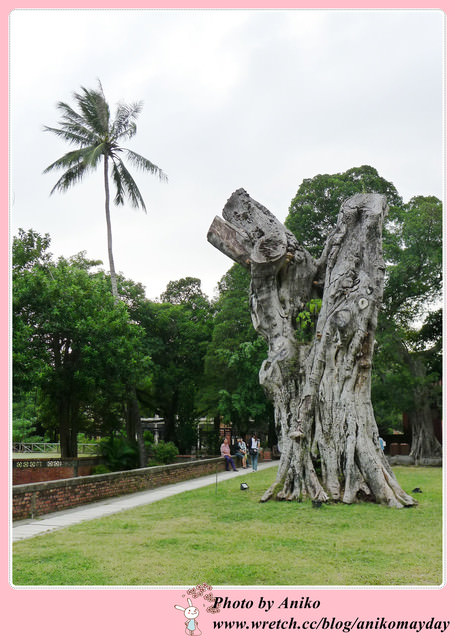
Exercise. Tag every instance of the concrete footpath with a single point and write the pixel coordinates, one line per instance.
(23, 529)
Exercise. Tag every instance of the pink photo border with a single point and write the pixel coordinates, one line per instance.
(127, 612)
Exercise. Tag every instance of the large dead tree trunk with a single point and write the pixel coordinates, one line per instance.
(318, 377)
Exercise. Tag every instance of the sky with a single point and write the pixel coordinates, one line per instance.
(259, 99)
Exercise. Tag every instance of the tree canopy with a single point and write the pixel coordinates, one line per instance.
(314, 209)
(70, 340)
(412, 248)
(409, 353)
(231, 385)
(177, 333)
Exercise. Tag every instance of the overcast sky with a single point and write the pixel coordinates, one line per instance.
(259, 99)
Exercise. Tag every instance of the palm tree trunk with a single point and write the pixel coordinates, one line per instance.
(109, 230)
(133, 407)
(134, 419)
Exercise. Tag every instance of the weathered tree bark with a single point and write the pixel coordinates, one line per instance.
(134, 430)
(320, 386)
(66, 357)
(112, 273)
(68, 413)
(424, 444)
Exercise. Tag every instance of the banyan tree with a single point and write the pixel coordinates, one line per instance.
(319, 318)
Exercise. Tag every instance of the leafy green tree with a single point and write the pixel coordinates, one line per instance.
(410, 329)
(98, 138)
(406, 361)
(185, 291)
(29, 253)
(413, 251)
(71, 341)
(244, 404)
(231, 388)
(25, 423)
(177, 335)
(314, 209)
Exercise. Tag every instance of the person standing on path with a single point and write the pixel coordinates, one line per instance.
(253, 447)
(243, 449)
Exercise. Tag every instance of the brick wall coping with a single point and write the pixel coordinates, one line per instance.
(86, 460)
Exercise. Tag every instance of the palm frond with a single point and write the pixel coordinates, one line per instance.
(70, 177)
(83, 132)
(128, 185)
(75, 136)
(70, 115)
(93, 157)
(123, 124)
(142, 163)
(78, 122)
(78, 156)
(120, 192)
(94, 109)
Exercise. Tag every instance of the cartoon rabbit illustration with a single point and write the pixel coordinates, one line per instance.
(191, 613)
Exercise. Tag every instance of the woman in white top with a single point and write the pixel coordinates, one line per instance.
(254, 445)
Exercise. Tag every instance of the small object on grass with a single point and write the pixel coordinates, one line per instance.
(316, 504)
(243, 486)
(417, 490)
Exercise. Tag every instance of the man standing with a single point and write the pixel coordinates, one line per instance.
(226, 452)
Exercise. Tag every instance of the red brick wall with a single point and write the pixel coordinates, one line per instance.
(31, 500)
(41, 474)
(37, 470)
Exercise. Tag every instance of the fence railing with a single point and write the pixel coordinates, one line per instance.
(52, 447)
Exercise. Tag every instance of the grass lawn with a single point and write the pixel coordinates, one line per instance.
(224, 536)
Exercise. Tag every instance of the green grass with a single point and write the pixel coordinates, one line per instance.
(224, 536)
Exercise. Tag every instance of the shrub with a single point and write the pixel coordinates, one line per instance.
(164, 452)
(119, 454)
(99, 469)
(149, 438)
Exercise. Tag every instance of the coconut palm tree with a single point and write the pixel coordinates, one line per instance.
(98, 138)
